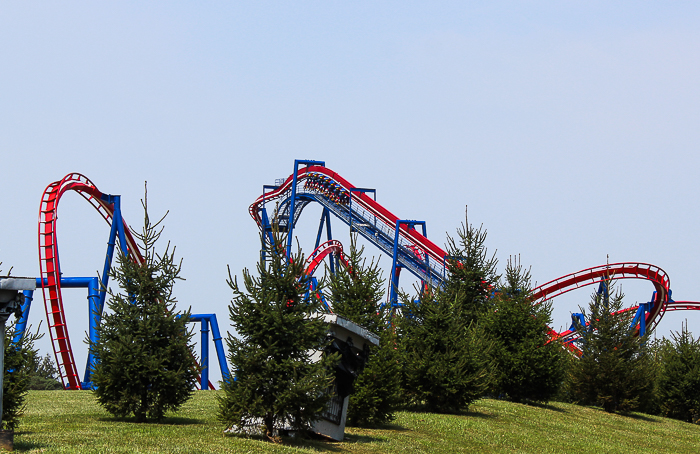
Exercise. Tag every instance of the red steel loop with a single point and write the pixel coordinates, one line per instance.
(50, 267)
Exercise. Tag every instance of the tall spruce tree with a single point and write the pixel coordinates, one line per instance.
(678, 383)
(357, 293)
(443, 342)
(528, 365)
(43, 374)
(277, 383)
(472, 272)
(145, 364)
(615, 370)
(445, 360)
(17, 377)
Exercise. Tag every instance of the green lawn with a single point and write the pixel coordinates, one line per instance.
(70, 421)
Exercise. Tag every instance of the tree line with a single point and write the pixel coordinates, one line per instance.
(479, 335)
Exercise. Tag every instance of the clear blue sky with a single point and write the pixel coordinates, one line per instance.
(570, 129)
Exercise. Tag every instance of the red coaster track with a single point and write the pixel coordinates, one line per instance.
(50, 267)
(595, 275)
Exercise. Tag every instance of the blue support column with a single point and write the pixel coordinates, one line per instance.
(94, 315)
(641, 317)
(212, 322)
(292, 201)
(204, 383)
(96, 306)
(325, 220)
(266, 233)
(393, 295)
(21, 325)
(577, 319)
(395, 265)
(266, 225)
(603, 291)
(219, 346)
(117, 230)
(111, 244)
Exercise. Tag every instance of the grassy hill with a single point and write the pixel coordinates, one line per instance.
(72, 422)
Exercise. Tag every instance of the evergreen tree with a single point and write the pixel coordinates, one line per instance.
(377, 390)
(356, 293)
(277, 384)
(17, 376)
(443, 342)
(528, 365)
(472, 272)
(445, 361)
(145, 364)
(678, 384)
(615, 370)
(43, 374)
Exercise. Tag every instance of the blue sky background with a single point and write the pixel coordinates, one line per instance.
(570, 129)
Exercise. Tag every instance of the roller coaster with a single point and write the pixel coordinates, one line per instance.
(311, 181)
(52, 281)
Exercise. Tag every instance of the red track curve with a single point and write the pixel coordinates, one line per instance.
(321, 252)
(50, 268)
(329, 247)
(595, 275)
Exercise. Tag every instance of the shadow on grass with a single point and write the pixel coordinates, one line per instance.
(168, 421)
(477, 414)
(467, 413)
(20, 445)
(333, 446)
(637, 416)
(313, 444)
(545, 406)
(386, 426)
(360, 439)
(640, 417)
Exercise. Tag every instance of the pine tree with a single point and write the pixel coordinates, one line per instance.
(356, 293)
(445, 361)
(528, 365)
(17, 376)
(678, 384)
(43, 374)
(377, 390)
(17, 361)
(615, 370)
(277, 384)
(472, 272)
(443, 342)
(145, 364)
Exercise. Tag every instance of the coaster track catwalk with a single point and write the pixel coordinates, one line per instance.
(397, 238)
(312, 181)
